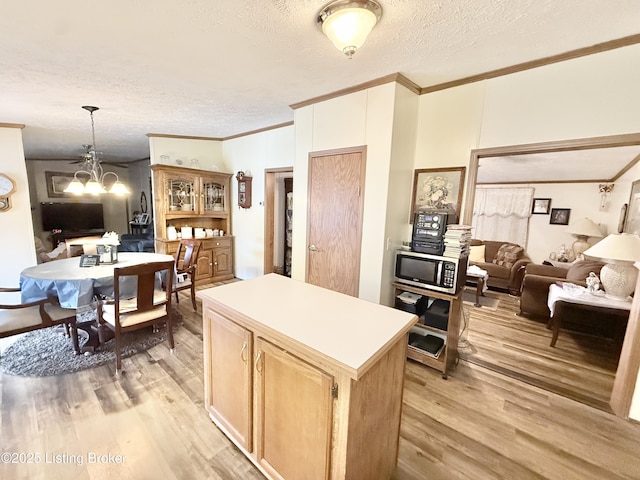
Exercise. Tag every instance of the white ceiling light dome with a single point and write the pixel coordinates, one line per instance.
(348, 23)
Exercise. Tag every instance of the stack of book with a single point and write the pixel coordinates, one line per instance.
(456, 241)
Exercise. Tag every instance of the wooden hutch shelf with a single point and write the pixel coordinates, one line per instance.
(186, 197)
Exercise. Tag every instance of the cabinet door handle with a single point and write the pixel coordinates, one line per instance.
(243, 352)
(313, 248)
(258, 364)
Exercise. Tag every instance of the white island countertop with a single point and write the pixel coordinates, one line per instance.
(342, 329)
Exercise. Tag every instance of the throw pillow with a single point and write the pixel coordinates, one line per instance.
(579, 271)
(476, 253)
(507, 255)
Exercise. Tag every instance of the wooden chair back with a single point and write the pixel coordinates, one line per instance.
(189, 249)
(187, 255)
(149, 306)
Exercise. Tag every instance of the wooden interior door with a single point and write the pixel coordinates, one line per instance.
(229, 391)
(334, 219)
(294, 415)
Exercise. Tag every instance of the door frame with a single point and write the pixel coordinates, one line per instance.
(362, 150)
(270, 175)
(624, 384)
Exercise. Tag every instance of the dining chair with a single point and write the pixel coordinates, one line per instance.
(81, 245)
(150, 305)
(20, 317)
(186, 263)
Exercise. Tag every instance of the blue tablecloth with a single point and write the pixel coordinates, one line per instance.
(76, 286)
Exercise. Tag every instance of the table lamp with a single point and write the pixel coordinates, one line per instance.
(619, 275)
(582, 230)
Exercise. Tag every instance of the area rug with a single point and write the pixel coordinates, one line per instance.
(469, 298)
(49, 352)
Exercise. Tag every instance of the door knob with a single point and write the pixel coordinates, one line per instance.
(313, 248)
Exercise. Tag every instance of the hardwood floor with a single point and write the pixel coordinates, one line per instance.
(580, 366)
(478, 424)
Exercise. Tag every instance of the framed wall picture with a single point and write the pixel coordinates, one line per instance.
(437, 188)
(541, 206)
(632, 223)
(560, 216)
(57, 182)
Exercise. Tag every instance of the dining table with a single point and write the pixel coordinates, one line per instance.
(76, 286)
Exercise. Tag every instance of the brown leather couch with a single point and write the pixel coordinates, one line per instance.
(507, 276)
(587, 319)
(537, 278)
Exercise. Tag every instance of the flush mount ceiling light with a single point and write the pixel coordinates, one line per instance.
(348, 23)
(92, 168)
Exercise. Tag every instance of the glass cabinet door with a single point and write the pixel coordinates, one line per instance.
(181, 194)
(213, 196)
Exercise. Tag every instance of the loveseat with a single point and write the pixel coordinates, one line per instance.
(538, 278)
(588, 319)
(503, 261)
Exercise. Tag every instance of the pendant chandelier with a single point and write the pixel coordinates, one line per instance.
(92, 170)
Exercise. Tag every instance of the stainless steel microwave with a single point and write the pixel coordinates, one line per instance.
(433, 272)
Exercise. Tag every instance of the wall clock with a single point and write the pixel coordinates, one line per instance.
(7, 187)
(244, 190)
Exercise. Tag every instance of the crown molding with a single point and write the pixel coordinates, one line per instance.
(580, 52)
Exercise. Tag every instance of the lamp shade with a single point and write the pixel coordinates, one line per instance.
(618, 279)
(617, 247)
(584, 227)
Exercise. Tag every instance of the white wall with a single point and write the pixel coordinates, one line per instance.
(18, 249)
(400, 181)
(583, 199)
(590, 96)
(449, 125)
(361, 118)
(255, 153)
(189, 153)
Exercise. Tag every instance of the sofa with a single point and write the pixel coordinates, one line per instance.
(137, 242)
(537, 279)
(503, 261)
(587, 319)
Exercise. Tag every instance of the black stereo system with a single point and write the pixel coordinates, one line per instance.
(429, 228)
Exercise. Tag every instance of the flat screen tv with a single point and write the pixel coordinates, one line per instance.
(72, 217)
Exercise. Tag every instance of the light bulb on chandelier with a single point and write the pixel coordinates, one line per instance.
(92, 168)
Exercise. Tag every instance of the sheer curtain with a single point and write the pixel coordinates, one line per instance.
(502, 214)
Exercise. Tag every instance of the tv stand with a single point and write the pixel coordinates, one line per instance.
(58, 238)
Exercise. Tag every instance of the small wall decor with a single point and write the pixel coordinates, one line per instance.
(541, 206)
(559, 216)
(632, 223)
(57, 182)
(7, 188)
(244, 189)
(605, 189)
(437, 188)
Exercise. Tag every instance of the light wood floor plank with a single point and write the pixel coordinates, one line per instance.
(478, 424)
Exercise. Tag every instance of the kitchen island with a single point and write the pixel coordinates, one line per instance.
(307, 382)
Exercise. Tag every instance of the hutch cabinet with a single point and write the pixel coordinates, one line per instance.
(190, 201)
(285, 381)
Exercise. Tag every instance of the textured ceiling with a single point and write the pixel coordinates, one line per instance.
(224, 67)
(598, 164)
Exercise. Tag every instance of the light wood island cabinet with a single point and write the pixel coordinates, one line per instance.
(307, 382)
(186, 197)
